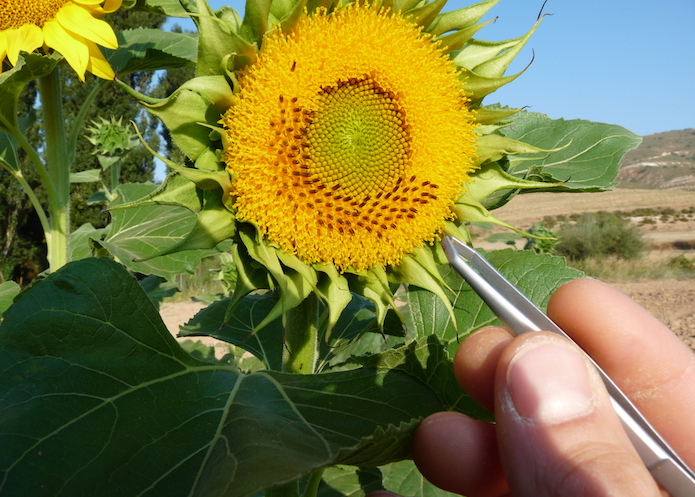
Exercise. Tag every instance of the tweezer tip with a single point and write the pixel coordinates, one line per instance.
(462, 248)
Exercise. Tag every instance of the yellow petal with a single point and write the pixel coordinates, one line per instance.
(27, 37)
(112, 6)
(109, 5)
(97, 63)
(80, 22)
(3, 48)
(70, 46)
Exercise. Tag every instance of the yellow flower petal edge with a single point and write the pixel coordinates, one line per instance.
(350, 140)
(70, 27)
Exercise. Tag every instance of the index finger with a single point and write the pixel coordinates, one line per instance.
(645, 359)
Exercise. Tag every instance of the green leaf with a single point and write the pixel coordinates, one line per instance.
(427, 359)
(198, 101)
(589, 163)
(8, 151)
(537, 276)
(151, 50)
(171, 8)
(219, 39)
(79, 241)
(157, 289)
(357, 333)
(400, 477)
(350, 481)
(240, 328)
(144, 232)
(88, 176)
(8, 291)
(98, 399)
(405, 479)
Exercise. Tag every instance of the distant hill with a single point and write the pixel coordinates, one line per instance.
(663, 160)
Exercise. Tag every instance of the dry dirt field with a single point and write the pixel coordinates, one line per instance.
(672, 301)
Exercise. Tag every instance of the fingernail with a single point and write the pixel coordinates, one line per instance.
(550, 383)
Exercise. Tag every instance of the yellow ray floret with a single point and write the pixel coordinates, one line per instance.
(350, 139)
(70, 27)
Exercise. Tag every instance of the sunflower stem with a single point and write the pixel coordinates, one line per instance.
(287, 490)
(301, 337)
(58, 162)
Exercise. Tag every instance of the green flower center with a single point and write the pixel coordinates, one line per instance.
(357, 138)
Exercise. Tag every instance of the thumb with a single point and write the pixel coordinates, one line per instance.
(556, 427)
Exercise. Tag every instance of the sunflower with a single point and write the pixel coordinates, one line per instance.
(353, 137)
(70, 27)
(345, 156)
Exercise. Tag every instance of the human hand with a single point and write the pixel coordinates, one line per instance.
(556, 433)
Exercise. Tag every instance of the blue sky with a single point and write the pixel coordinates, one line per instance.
(626, 62)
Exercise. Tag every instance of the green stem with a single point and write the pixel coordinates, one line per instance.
(301, 337)
(115, 175)
(58, 162)
(17, 174)
(300, 357)
(81, 116)
(312, 488)
(31, 153)
(291, 489)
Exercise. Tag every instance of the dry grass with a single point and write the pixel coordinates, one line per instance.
(523, 210)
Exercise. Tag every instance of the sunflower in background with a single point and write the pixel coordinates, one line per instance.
(71, 27)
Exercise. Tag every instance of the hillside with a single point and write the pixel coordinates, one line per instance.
(663, 160)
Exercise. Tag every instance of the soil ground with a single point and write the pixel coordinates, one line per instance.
(672, 301)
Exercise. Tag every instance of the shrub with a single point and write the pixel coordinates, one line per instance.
(599, 235)
(546, 242)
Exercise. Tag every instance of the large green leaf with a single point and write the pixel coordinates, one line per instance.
(139, 234)
(537, 276)
(589, 161)
(152, 49)
(97, 398)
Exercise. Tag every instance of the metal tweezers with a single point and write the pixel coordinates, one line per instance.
(520, 315)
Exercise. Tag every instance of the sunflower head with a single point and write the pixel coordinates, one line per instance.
(71, 27)
(341, 152)
(352, 137)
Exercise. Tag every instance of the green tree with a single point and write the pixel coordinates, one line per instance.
(22, 249)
